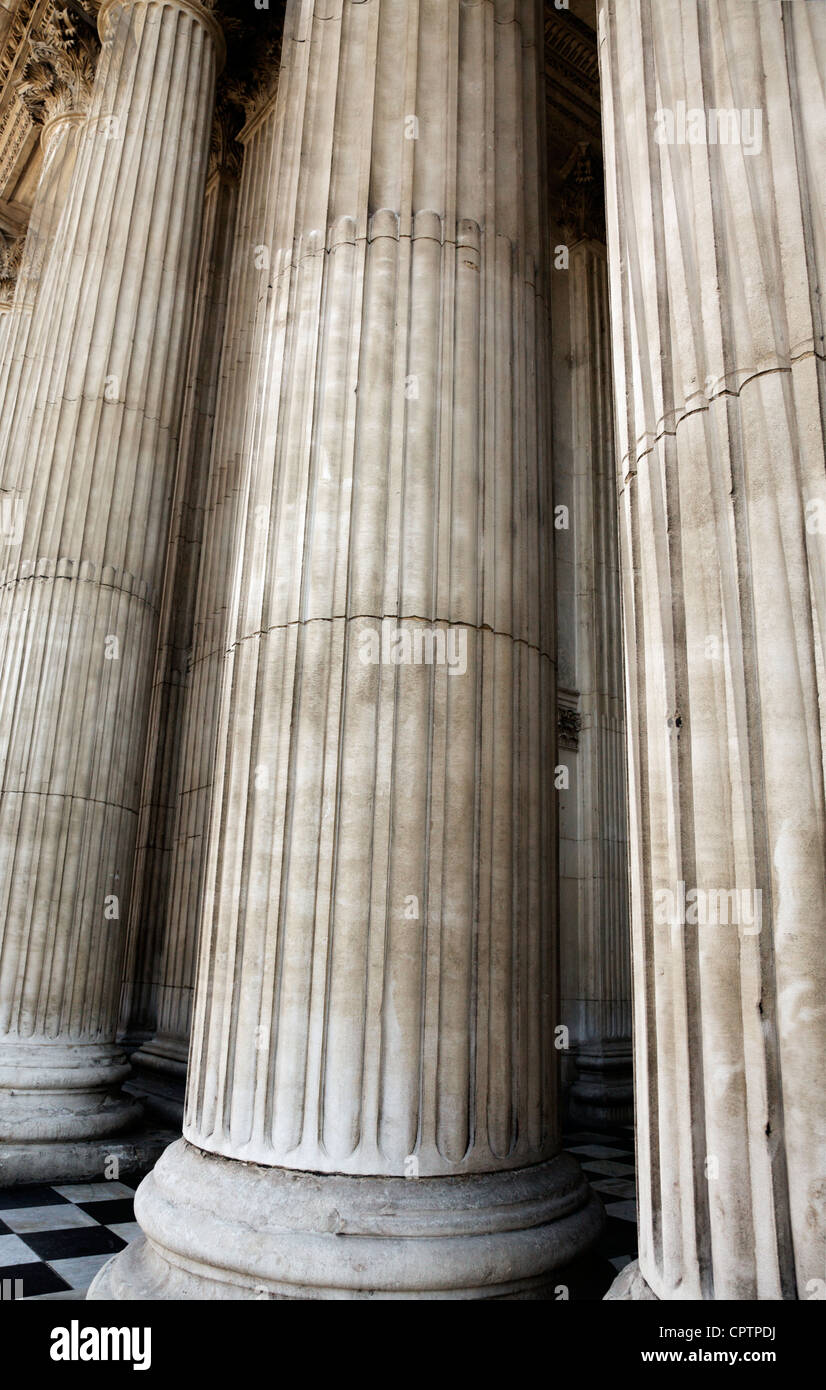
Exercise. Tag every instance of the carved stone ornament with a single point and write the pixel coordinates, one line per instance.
(569, 723)
(60, 69)
(582, 203)
(11, 254)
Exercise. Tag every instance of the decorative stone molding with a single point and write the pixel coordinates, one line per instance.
(11, 255)
(21, 26)
(571, 49)
(571, 77)
(15, 121)
(225, 153)
(568, 723)
(582, 198)
(15, 125)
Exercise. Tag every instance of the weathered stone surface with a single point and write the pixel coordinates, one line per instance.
(81, 1160)
(290, 644)
(162, 937)
(718, 255)
(89, 454)
(219, 1229)
(376, 985)
(595, 962)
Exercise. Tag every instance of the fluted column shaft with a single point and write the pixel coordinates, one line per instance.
(163, 1058)
(59, 139)
(376, 987)
(348, 1035)
(55, 85)
(596, 985)
(714, 125)
(92, 454)
(178, 774)
(170, 684)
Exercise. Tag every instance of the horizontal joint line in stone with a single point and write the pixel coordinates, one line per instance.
(390, 617)
(77, 579)
(69, 796)
(700, 409)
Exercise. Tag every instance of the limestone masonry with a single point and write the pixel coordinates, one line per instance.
(413, 616)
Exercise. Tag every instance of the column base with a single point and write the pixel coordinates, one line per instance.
(61, 1091)
(218, 1228)
(630, 1285)
(602, 1095)
(159, 1077)
(83, 1160)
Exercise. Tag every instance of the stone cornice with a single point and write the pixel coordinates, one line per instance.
(13, 52)
(571, 48)
(572, 71)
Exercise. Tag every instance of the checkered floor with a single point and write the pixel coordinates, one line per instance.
(607, 1161)
(53, 1240)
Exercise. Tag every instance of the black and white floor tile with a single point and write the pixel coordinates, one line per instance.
(607, 1159)
(54, 1239)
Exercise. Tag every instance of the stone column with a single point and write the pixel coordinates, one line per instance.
(161, 1062)
(93, 460)
(594, 928)
(55, 86)
(373, 1047)
(593, 872)
(714, 130)
(165, 743)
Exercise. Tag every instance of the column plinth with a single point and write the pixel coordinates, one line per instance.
(66, 1094)
(337, 1237)
(602, 1095)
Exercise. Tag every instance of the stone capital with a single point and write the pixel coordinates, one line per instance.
(59, 71)
(11, 253)
(225, 153)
